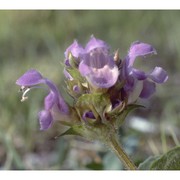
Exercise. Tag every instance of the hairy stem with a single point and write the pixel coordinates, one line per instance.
(118, 150)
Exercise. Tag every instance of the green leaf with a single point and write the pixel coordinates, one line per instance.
(74, 130)
(147, 163)
(169, 161)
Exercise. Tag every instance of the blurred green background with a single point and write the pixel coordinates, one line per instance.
(38, 39)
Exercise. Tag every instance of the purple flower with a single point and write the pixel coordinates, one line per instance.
(97, 65)
(54, 104)
(96, 44)
(132, 76)
(75, 49)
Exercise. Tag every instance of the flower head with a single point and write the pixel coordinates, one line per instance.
(53, 103)
(103, 87)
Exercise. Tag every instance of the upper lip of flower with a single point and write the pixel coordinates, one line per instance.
(96, 44)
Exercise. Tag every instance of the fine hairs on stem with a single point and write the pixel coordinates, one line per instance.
(121, 154)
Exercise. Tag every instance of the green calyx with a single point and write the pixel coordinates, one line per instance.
(106, 121)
